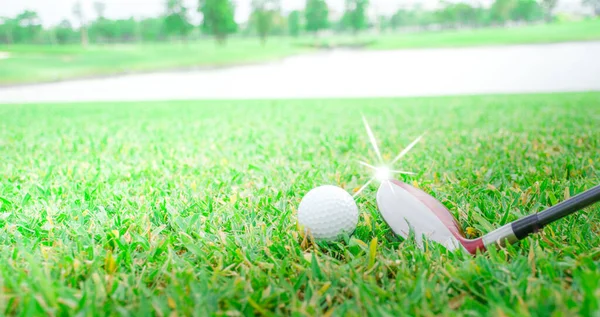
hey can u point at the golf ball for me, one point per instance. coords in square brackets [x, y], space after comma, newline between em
[328, 212]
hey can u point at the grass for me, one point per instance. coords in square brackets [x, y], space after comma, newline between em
[50, 63]
[188, 208]
[30, 64]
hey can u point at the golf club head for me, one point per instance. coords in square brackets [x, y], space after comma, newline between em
[406, 208]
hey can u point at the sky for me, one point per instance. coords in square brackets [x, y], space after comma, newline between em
[52, 12]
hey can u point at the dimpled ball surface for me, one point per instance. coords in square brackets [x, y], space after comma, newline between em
[328, 212]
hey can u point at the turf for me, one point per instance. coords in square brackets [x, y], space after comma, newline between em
[28, 63]
[188, 208]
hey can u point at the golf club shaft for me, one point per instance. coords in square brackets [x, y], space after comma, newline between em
[532, 223]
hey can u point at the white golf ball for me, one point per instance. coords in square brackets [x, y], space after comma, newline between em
[328, 212]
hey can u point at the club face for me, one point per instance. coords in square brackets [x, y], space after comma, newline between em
[405, 208]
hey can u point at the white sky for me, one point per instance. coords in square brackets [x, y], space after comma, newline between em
[53, 11]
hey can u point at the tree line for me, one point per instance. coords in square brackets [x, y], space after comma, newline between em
[267, 19]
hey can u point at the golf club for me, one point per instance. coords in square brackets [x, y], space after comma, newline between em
[405, 208]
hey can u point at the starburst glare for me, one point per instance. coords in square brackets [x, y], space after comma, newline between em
[382, 172]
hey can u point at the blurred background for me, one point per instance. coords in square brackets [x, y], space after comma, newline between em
[201, 48]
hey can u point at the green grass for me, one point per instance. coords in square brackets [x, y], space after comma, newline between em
[30, 64]
[189, 207]
[50, 63]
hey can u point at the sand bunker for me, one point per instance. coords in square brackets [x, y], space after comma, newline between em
[4, 55]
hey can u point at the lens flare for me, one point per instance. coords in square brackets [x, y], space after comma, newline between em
[382, 173]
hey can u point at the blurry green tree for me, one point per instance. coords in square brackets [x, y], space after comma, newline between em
[7, 28]
[264, 14]
[176, 19]
[125, 30]
[460, 15]
[501, 10]
[383, 23]
[294, 24]
[355, 16]
[338, 26]
[395, 21]
[549, 6]
[218, 18]
[465, 15]
[64, 32]
[527, 11]
[101, 27]
[317, 15]
[78, 12]
[402, 18]
[425, 18]
[266, 20]
[29, 27]
[152, 29]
